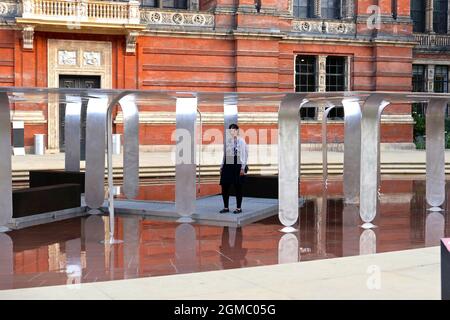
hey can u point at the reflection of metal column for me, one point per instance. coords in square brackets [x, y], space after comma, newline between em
[435, 150]
[95, 151]
[5, 163]
[72, 133]
[288, 249]
[185, 171]
[352, 150]
[370, 160]
[186, 248]
[434, 228]
[6, 261]
[200, 151]
[325, 144]
[230, 116]
[131, 253]
[350, 230]
[288, 159]
[367, 242]
[94, 231]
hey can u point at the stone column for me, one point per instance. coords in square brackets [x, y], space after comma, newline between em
[429, 16]
[321, 75]
[348, 73]
[430, 78]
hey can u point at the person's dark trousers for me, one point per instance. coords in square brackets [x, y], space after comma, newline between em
[226, 194]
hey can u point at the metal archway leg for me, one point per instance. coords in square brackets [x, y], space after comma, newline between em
[370, 160]
[95, 151]
[5, 163]
[72, 133]
[288, 160]
[435, 153]
[131, 146]
[325, 144]
[185, 164]
[352, 150]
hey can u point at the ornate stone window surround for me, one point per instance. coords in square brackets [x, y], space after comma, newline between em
[75, 57]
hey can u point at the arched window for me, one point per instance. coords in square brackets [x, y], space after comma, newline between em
[418, 15]
[331, 9]
[303, 8]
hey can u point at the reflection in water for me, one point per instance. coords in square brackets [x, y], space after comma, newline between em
[186, 249]
[70, 251]
[73, 261]
[435, 227]
[288, 249]
[232, 253]
[6, 262]
[368, 242]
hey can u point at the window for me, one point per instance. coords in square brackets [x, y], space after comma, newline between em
[441, 79]
[394, 8]
[337, 113]
[149, 3]
[418, 78]
[173, 4]
[418, 15]
[331, 9]
[335, 79]
[419, 84]
[305, 81]
[440, 16]
[303, 8]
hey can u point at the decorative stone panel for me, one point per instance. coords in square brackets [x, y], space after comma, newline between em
[176, 18]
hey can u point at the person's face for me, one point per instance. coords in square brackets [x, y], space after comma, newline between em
[234, 132]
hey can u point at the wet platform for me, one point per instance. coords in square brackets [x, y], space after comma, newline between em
[207, 210]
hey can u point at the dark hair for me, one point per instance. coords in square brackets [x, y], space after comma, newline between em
[233, 126]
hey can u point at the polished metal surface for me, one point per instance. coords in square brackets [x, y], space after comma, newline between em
[230, 116]
[370, 150]
[95, 151]
[435, 152]
[200, 150]
[131, 146]
[325, 143]
[5, 161]
[6, 261]
[288, 249]
[72, 133]
[352, 149]
[289, 158]
[185, 163]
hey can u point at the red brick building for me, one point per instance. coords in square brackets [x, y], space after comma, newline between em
[225, 45]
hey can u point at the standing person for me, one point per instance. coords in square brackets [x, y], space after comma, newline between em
[233, 168]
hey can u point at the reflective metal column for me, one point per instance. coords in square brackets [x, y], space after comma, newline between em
[185, 163]
[5, 163]
[370, 160]
[72, 133]
[352, 149]
[95, 151]
[289, 159]
[435, 150]
[325, 143]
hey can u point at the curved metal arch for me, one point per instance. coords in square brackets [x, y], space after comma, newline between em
[5, 163]
[352, 147]
[289, 158]
[372, 108]
[435, 152]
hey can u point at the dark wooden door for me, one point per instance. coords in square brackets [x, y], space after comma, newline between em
[80, 82]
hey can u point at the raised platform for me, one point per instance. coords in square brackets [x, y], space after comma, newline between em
[254, 209]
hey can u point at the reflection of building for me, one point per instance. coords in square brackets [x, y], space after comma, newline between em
[218, 45]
